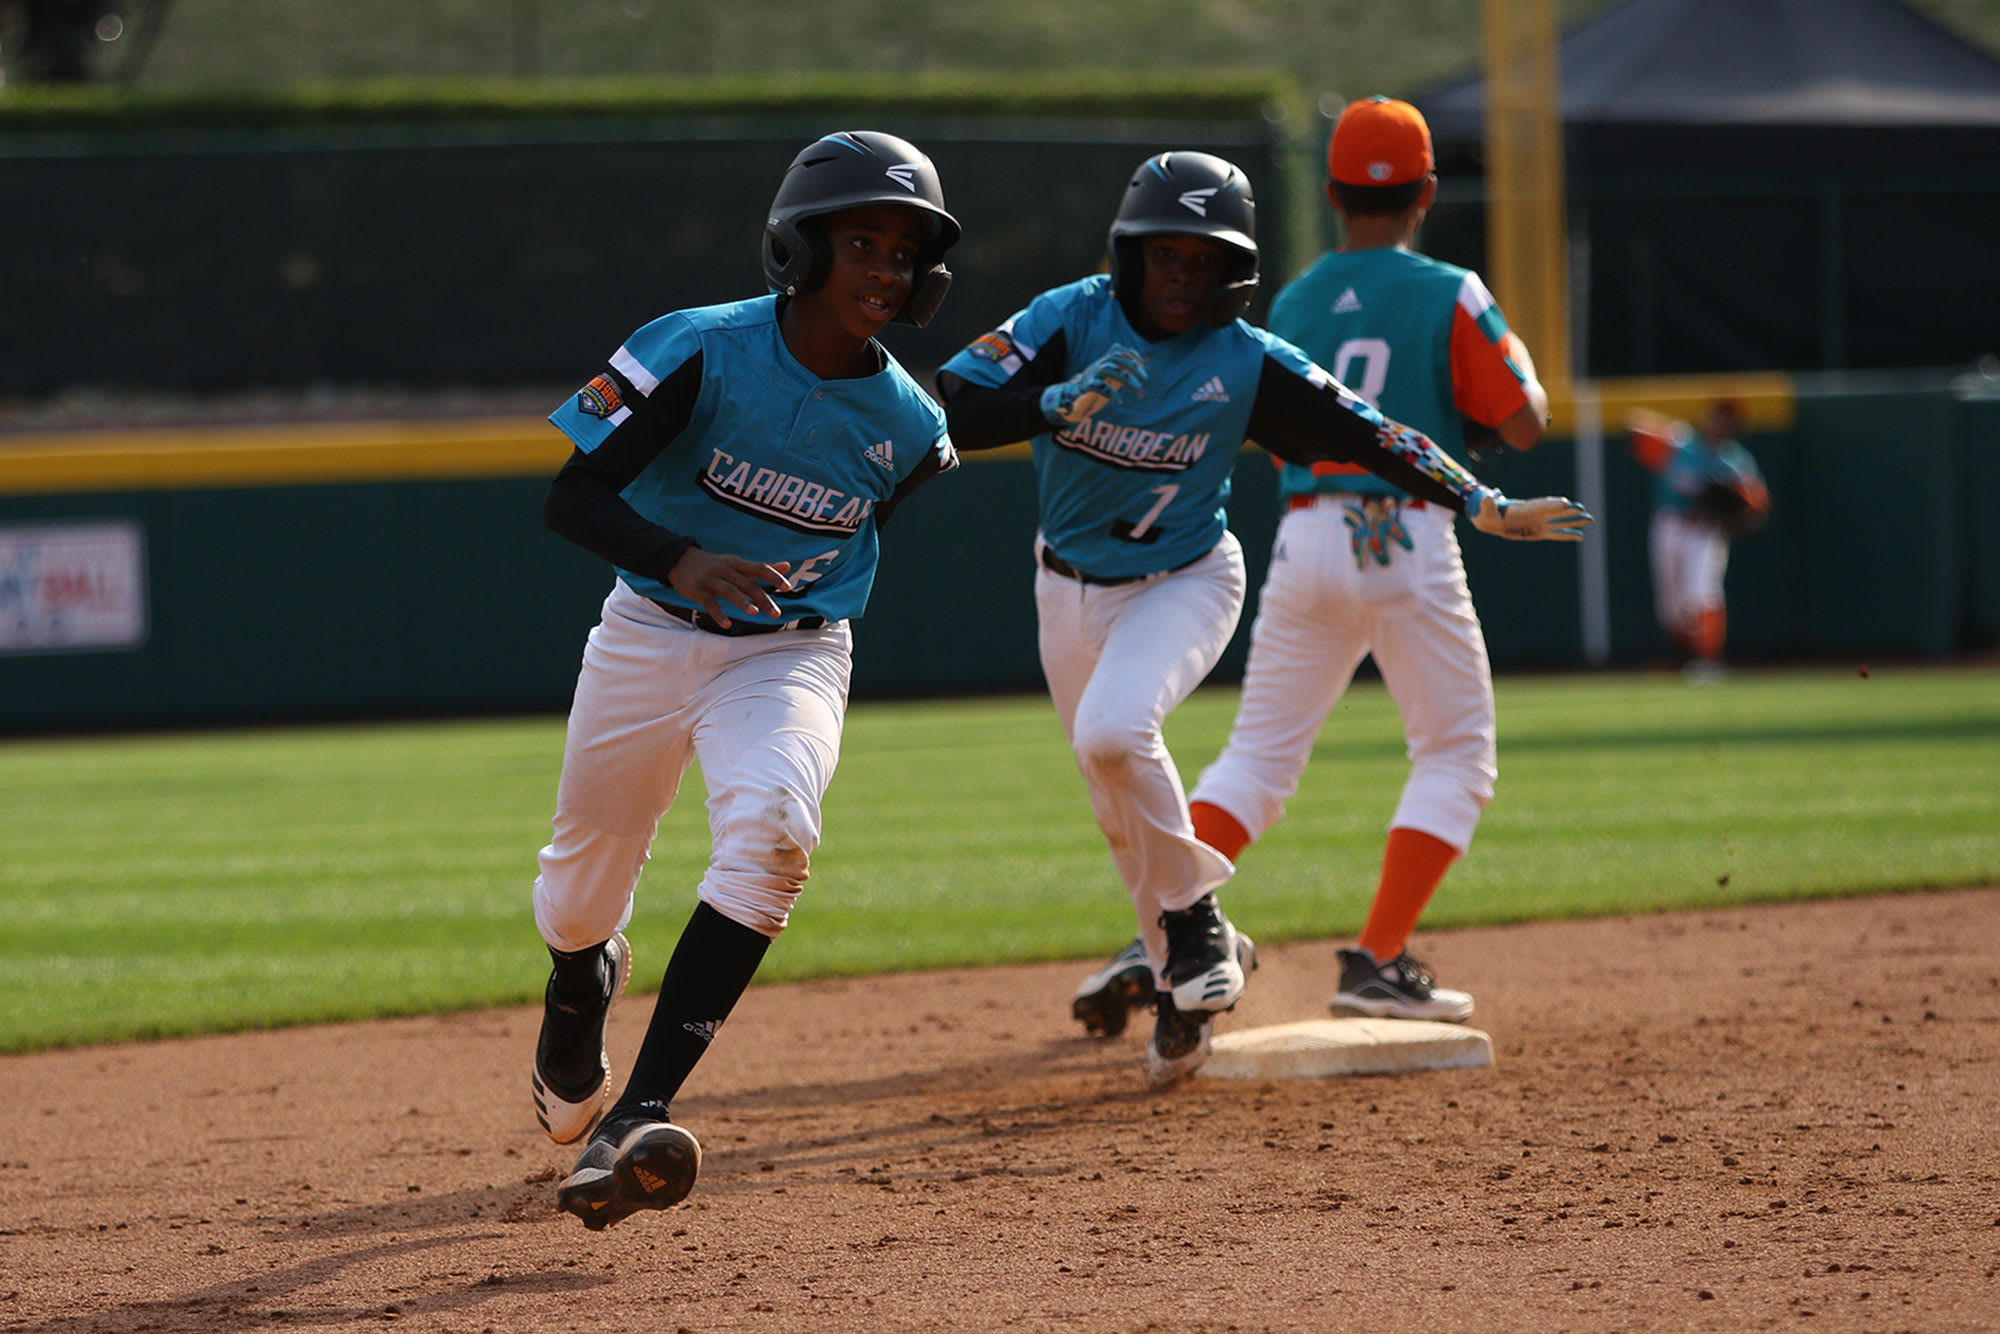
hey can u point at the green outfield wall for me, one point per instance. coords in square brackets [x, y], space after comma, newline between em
[255, 574]
[1978, 487]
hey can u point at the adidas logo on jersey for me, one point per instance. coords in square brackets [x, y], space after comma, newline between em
[1211, 392]
[882, 454]
[1347, 304]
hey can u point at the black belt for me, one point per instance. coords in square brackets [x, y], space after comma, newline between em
[701, 620]
[1055, 564]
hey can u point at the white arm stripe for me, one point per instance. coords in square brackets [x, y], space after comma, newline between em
[1473, 296]
[628, 366]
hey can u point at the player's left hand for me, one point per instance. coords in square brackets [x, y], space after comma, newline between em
[1543, 519]
[708, 580]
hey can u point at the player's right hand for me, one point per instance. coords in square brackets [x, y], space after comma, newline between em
[1543, 519]
[1119, 372]
[708, 580]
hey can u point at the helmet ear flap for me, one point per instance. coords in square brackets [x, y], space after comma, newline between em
[796, 256]
[926, 295]
[1128, 267]
[1232, 296]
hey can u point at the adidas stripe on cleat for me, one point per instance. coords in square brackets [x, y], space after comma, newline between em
[567, 1112]
[1207, 957]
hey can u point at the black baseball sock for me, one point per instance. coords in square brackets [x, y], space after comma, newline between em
[579, 979]
[569, 1052]
[711, 968]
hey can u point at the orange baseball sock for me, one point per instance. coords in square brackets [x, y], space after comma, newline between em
[1218, 828]
[1708, 634]
[1413, 864]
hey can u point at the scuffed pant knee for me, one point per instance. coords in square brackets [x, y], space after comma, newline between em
[762, 857]
[1106, 753]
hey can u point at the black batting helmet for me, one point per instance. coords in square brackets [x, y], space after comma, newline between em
[1195, 194]
[848, 169]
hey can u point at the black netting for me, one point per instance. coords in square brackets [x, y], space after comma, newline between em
[219, 262]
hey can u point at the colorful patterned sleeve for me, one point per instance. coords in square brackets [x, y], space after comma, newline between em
[1416, 449]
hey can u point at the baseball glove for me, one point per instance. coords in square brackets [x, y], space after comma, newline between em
[1482, 442]
[1732, 510]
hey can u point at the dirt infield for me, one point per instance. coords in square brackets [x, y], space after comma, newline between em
[1773, 1117]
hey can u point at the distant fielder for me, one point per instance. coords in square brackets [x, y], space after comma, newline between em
[1707, 491]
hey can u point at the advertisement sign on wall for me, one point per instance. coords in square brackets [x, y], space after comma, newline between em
[72, 587]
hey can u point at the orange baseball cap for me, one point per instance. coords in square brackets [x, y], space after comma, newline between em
[1380, 141]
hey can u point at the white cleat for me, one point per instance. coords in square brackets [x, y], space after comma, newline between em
[568, 1115]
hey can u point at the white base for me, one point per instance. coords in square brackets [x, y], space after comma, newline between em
[1321, 1048]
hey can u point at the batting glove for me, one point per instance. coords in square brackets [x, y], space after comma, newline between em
[1543, 519]
[1105, 381]
[1372, 526]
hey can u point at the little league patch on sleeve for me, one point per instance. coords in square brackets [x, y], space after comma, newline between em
[599, 398]
[992, 346]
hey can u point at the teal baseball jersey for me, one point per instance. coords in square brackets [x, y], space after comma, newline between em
[1418, 338]
[756, 456]
[1144, 487]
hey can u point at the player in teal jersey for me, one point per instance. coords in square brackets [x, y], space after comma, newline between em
[733, 463]
[1707, 491]
[1138, 388]
[1362, 566]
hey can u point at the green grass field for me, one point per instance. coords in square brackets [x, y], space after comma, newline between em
[171, 884]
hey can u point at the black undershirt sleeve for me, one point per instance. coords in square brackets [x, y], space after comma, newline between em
[583, 502]
[1306, 423]
[989, 416]
[932, 465]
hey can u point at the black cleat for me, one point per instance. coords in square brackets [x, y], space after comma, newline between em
[1179, 1044]
[1207, 958]
[1104, 1000]
[637, 1159]
[1399, 989]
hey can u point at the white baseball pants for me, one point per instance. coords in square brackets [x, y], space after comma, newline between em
[1689, 561]
[1118, 659]
[763, 714]
[1319, 614]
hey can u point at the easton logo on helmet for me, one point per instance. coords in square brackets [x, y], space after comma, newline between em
[1196, 201]
[904, 174]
